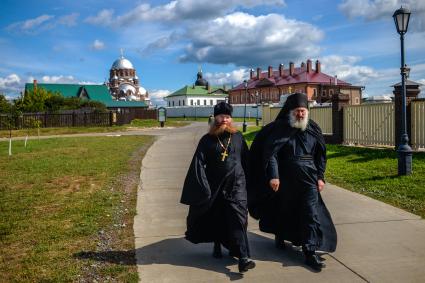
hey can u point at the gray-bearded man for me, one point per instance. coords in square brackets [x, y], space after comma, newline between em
[287, 166]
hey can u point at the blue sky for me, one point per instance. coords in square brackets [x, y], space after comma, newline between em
[167, 41]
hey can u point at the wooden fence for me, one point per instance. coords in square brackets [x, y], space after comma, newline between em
[369, 124]
[418, 124]
[49, 120]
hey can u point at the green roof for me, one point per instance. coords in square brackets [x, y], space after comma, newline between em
[94, 92]
[199, 91]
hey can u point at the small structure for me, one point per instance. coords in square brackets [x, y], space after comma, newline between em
[378, 99]
[201, 93]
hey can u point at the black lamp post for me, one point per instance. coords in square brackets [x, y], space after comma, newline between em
[256, 102]
[404, 151]
[244, 111]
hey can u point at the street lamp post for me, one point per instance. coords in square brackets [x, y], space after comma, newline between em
[256, 102]
[404, 151]
[244, 125]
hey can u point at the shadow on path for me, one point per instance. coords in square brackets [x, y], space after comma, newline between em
[180, 252]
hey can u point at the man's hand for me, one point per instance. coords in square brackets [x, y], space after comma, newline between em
[320, 185]
[274, 184]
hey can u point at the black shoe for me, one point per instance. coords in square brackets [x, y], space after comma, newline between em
[279, 243]
[217, 251]
[314, 262]
[245, 264]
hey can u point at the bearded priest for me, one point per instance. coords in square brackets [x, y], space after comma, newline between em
[215, 190]
[287, 167]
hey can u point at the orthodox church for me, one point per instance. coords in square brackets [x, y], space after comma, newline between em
[123, 82]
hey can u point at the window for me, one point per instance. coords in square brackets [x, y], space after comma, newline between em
[331, 91]
[211, 102]
[173, 103]
[357, 100]
[323, 92]
[314, 92]
[205, 102]
[179, 103]
[191, 102]
[169, 103]
[198, 102]
[183, 102]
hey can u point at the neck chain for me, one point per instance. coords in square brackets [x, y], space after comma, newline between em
[224, 154]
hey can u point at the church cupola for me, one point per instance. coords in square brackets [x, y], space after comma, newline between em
[199, 80]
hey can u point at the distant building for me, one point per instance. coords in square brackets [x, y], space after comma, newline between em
[269, 86]
[92, 92]
[122, 91]
[124, 83]
[201, 93]
[378, 99]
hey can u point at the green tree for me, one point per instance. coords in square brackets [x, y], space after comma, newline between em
[5, 105]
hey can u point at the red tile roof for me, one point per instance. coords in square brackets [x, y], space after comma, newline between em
[300, 76]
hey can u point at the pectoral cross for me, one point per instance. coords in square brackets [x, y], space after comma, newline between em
[224, 155]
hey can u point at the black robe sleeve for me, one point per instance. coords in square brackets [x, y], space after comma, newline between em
[272, 168]
[196, 189]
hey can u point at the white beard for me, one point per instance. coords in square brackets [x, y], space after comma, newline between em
[299, 124]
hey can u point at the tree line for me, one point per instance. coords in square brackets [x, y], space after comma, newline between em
[41, 100]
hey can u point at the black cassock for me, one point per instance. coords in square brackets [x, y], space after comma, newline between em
[216, 193]
[296, 212]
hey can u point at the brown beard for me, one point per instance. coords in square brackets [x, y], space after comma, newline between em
[216, 130]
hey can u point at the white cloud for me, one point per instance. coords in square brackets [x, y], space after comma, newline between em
[69, 20]
[104, 17]
[247, 40]
[346, 69]
[42, 23]
[379, 9]
[58, 79]
[178, 10]
[97, 45]
[157, 96]
[232, 78]
[10, 84]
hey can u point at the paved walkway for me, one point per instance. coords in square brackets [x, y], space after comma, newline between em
[377, 242]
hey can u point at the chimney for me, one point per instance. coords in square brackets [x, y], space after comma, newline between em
[270, 71]
[35, 85]
[258, 73]
[318, 66]
[281, 68]
[308, 66]
[291, 68]
[302, 65]
[251, 74]
[336, 79]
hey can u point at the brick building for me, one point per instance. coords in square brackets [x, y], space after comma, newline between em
[270, 85]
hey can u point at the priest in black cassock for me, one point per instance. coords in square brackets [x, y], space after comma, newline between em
[287, 166]
[215, 189]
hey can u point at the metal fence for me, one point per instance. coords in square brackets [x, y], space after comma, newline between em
[369, 124]
[418, 124]
[323, 117]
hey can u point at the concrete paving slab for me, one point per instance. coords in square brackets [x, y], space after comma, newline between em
[377, 242]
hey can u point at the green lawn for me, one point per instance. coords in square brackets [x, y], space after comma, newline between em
[134, 125]
[64, 203]
[373, 172]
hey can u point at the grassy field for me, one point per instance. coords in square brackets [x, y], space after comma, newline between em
[373, 172]
[134, 125]
[67, 209]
